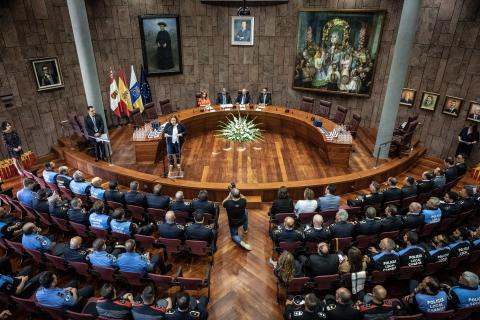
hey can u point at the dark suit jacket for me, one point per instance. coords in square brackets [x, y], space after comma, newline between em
[114, 195]
[391, 194]
[424, 186]
[321, 265]
[247, 99]
[220, 98]
[268, 100]
[409, 191]
[451, 174]
[90, 127]
[135, 198]
[158, 201]
[282, 206]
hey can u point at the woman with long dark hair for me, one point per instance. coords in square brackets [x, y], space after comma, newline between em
[13, 144]
[467, 138]
[174, 133]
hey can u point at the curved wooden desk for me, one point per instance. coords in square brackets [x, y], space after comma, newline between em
[273, 119]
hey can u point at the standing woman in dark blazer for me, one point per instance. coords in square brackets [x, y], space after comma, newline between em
[467, 138]
[13, 144]
[174, 134]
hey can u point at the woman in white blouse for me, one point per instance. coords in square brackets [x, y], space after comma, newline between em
[174, 134]
[307, 205]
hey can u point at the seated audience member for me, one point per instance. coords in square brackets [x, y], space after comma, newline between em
[341, 228]
[40, 201]
[131, 261]
[438, 251]
[449, 206]
[459, 244]
[33, 240]
[111, 306]
[179, 204]
[135, 197]
[96, 190]
[329, 201]
[121, 224]
[49, 174]
[307, 310]
[309, 204]
[474, 234]
[265, 97]
[323, 263]
[75, 252]
[409, 187]
[377, 308]
[387, 259]
[370, 225]
[412, 255]
[467, 292]
[63, 179]
[427, 297]
[169, 229]
[78, 185]
[223, 97]
[100, 257]
[355, 261]
[10, 226]
[341, 306]
[186, 307]
[432, 212]
[460, 165]
[375, 197]
[283, 203]
[391, 221]
[286, 268]
[157, 200]
[202, 204]
[20, 284]
[57, 207]
[147, 309]
[243, 97]
[439, 178]
[112, 194]
[451, 172]
[414, 218]
[466, 200]
[287, 232]
[26, 195]
[317, 233]
[426, 184]
[98, 218]
[392, 192]
[199, 231]
[60, 298]
[76, 213]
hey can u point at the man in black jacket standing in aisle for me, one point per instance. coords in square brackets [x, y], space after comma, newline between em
[95, 128]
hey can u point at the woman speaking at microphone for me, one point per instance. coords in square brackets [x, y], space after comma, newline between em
[174, 134]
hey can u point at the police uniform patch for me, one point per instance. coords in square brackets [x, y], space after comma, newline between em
[331, 307]
[297, 313]
[179, 226]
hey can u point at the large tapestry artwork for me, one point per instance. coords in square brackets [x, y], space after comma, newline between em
[337, 51]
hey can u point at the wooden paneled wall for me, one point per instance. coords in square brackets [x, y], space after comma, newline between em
[445, 59]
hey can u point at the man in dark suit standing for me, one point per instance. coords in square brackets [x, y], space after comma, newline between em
[224, 97]
[265, 97]
[244, 97]
[95, 128]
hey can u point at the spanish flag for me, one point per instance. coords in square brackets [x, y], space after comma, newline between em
[125, 99]
[135, 91]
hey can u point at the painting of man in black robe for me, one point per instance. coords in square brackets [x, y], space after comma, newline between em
[164, 48]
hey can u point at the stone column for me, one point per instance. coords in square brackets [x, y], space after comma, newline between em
[397, 75]
[86, 57]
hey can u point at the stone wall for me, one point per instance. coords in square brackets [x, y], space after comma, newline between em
[445, 59]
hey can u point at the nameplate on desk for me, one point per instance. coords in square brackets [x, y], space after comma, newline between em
[243, 107]
[226, 107]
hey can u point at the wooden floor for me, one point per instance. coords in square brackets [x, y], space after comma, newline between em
[208, 158]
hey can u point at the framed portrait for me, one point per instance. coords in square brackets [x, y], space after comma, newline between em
[242, 28]
[336, 51]
[452, 105]
[161, 44]
[47, 73]
[429, 101]
[408, 97]
[474, 111]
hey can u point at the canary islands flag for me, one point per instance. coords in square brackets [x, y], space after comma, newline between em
[135, 92]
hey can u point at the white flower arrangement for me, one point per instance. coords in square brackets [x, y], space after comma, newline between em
[239, 129]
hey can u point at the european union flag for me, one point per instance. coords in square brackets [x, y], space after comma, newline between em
[145, 88]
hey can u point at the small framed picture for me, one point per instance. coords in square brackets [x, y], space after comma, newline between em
[47, 73]
[408, 97]
[242, 31]
[429, 101]
[452, 106]
[474, 111]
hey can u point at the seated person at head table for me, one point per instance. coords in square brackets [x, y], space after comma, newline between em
[243, 97]
[223, 97]
[203, 100]
[265, 97]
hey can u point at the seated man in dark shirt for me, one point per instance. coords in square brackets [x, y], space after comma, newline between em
[169, 229]
[373, 198]
[112, 194]
[466, 200]
[199, 231]
[370, 225]
[392, 192]
[414, 217]
[458, 243]
[391, 221]
[75, 251]
[20, 284]
[287, 232]
[76, 213]
[387, 259]
[449, 206]
[451, 172]
[40, 201]
[58, 208]
[377, 307]
[311, 309]
[341, 228]
[135, 197]
[426, 184]
[202, 204]
[111, 306]
[179, 204]
[10, 226]
[317, 233]
[412, 255]
[341, 307]
[438, 251]
[409, 188]
[157, 200]
[461, 166]
[147, 308]
[323, 263]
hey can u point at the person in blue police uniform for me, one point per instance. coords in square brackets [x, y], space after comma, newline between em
[188, 308]
[412, 255]
[147, 309]
[111, 306]
[459, 244]
[121, 224]
[438, 251]
[78, 185]
[49, 174]
[199, 231]
[131, 261]
[427, 297]
[63, 179]
[112, 194]
[169, 229]
[387, 259]
[26, 194]
[309, 308]
[179, 204]
[157, 200]
[467, 293]
[98, 218]
[31, 239]
[135, 197]
[202, 203]
[21, 284]
[431, 211]
[96, 190]
[60, 298]
[100, 257]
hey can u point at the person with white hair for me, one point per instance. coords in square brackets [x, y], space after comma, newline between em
[78, 185]
[179, 204]
[467, 293]
[317, 233]
[341, 228]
